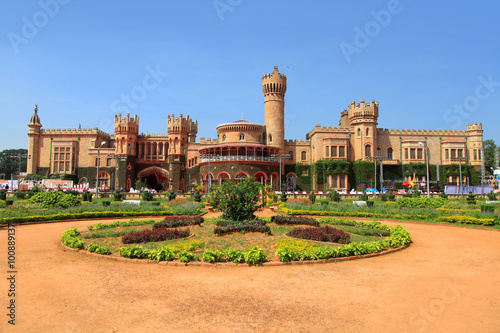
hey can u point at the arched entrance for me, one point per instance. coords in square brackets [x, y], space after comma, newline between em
[261, 177]
[155, 178]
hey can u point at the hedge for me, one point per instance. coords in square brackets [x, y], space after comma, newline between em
[467, 220]
[289, 211]
[75, 216]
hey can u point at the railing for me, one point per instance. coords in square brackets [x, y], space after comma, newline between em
[240, 158]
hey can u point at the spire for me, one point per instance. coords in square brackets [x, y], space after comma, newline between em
[35, 119]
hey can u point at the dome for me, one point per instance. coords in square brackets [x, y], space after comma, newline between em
[35, 119]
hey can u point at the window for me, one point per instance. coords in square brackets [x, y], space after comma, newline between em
[453, 153]
[406, 153]
[341, 151]
[419, 153]
[475, 154]
[334, 151]
[304, 156]
[480, 154]
[108, 162]
[446, 154]
[291, 154]
[367, 132]
[359, 131]
[224, 137]
[412, 153]
[342, 181]
[259, 138]
[460, 152]
[327, 151]
[389, 153]
[379, 152]
[334, 181]
[368, 150]
[64, 162]
[270, 138]
[242, 137]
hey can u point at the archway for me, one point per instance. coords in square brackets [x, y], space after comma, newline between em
[261, 177]
[222, 177]
[155, 178]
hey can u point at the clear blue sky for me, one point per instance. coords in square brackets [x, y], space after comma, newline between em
[430, 65]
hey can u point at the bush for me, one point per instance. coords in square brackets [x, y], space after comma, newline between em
[487, 208]
[155, 235]
[227, 227]
[87, 196]
[420, 202]
[213, 256]
[284, 197]
[363, 197]
[471, 198]
[467, 220]
[233, 255]
[117, 196]
[3, 195]
[255, 255]
[71, 238]
[162, 253]
[491, 196]
[238, 202]
[100, 249]
[147, 196]
[55, 199]
[134, 251]
[176, 202]
[322, 234]
[106, 203]
[369, 203]
[197, 196]
[20, 195]
[300, 201]
[391, 196]
[9, 202]
[280, 219]
[185, 256]
[179, 221]
[335, 196]
[312, 197]
[443, 195]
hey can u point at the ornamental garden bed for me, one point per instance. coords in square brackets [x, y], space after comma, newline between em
[238, 246]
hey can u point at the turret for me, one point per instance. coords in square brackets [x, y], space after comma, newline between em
[363, 124]
[34, 143]
[180, 130]
[475, 143]
[126, 131]
[274, 89]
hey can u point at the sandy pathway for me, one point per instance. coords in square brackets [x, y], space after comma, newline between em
[447, 281]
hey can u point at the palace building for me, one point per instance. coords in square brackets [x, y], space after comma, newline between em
[330, 157]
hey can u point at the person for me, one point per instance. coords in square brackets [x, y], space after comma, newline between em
[121, 189]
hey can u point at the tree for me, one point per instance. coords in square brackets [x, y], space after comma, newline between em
[9, 161]
[489, 155]
[238, 201]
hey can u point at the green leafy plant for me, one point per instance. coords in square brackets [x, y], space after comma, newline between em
[255, 255]
[186, 256]
[491, 196]
[233, 255]
[213, 256]
[54, 199]
[238, 202]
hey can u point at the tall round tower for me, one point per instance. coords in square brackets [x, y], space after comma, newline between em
[274, 88]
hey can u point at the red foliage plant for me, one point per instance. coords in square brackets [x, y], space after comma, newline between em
[176, 202]
[322, 234]
[300, 201]
[155, 235]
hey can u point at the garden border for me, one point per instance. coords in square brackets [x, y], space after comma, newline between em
[226, 264]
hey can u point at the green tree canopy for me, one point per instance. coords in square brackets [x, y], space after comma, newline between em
[9, 161]
[489, 155]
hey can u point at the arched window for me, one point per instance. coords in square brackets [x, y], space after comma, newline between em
[242, 137]
[367, 132]
[291, 154]
[259, 138]
[359, 131]
[368, 151]
[97, 161]
[379, 151]
[270, 138]
[224, 137]
[389, 153]
[304, 156]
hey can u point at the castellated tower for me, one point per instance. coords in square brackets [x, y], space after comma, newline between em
[475, 144]
[274, 88]
[363, 126]
[34, 143]
[126, 131]
[181, 131]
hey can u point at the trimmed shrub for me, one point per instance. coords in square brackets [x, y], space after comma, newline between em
[20, 195]
[255, 255]
[147, 196]
[117, 196]
[369, 203]
[238, 202]
[179, 221]
[280, 219]
[491, 196]
[487, 208]
[233, 255]
[3, 195]
[312, 197]
[467, 220]
[197, 196]
[155, 235]
[213, 256]
[106, 203]
[227, 227]
[420, 202]
[322, 234]
[54, 199]
[335, 196]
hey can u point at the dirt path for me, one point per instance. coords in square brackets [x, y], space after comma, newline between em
[447, 281]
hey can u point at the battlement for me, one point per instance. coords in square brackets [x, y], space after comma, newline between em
[362, 109]
[276, 75]
[298, 142]
[126, 120]
[429, 132]
[330, 129]
[69, 131]
[475, 127]
[208, 141]
[181, 124]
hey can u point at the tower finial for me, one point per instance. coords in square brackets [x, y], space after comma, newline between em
[242, 116]
[36, 108]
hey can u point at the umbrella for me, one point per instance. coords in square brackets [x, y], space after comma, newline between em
[405, 183]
